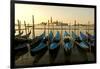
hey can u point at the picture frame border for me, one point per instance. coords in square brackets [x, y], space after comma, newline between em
[12, 25]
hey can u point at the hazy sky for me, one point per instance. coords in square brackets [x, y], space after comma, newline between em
[43, 13]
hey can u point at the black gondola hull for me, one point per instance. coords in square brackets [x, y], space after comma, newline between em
[53, 51]
[37, 52]
[20, 51]
[83, 50]
[67, 52]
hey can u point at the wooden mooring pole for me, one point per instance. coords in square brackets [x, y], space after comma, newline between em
[69, 28]
[61, 30]
[75, 25]
[48, 34]
[88, 32]
[61, 35]
[48, 28]
[28, 28]
[45, 29]
[19, 26]
[78, 29]
[88, 26]
[25, 27]
[52, 24]
[33, 27]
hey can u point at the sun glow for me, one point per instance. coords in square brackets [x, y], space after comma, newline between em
[43, 13]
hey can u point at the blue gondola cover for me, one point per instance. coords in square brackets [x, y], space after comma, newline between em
[68, 45]
[51, 36]
[57, 36]
[83, 36]
[53, 46]
[83, 45]
[39, 47]
[74, 36]
[65, 34]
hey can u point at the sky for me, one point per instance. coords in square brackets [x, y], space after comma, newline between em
[43, 13]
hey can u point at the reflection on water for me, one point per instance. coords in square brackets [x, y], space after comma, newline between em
[40, 29]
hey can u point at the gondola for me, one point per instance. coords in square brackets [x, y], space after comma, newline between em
[50, 37]
[22, 39]
[18, 35]
[57, 37]
[87, 38]
[26, 36]
[75, 37]
[89, 41]
[36, 41]
[55, 44]
[67, 43]
[65, 34]
[83, 37]
[18, 41]
[21, 44]
[40, 48]
[20, 50]
[91, 37]
[81, 45]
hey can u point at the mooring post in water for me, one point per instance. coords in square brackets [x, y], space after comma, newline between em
[75, 25]
[48, 32]
[48, 27]
[25, 27]
[33, 27]
[70, 30]
[19, 28]
[28, 28]
[61, 29]
[69, 27]
[78, 29]
[88, 32]
[87, 28]
[53, 27]
[61, 35]
[88, 25]
[45, 28]
[51, 24]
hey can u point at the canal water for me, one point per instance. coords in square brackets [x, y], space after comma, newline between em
[40, 29]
